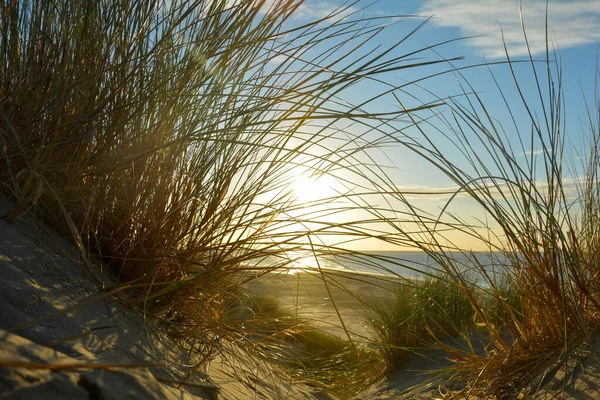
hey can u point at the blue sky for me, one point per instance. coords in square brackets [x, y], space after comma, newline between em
[573, 23]
[574, 30]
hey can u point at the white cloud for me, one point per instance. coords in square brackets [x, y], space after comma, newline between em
[278, 59]
[531, 153]
[312, 10]
[570, 23]
[570, 186]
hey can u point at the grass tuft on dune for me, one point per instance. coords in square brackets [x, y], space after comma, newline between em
[163, 137]
[539, 297]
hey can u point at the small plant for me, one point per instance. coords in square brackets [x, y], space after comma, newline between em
[307, 354]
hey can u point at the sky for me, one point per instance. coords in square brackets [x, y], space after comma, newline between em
[484, 28]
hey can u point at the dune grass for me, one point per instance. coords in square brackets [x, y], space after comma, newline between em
[416, 316]
[162, 137]
[307, 354]
[539, 219]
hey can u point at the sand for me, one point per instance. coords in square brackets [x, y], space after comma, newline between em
[48, 299]
[40, 275]
[305, 295]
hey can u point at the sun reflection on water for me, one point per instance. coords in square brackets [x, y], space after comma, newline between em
[301, 262]
[307, 262]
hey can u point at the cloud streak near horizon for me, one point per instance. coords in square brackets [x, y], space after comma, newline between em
[570, 23]
[496, 189]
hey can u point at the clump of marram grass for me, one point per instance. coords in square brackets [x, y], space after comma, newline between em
[418, 315]
[537, 213]
[162, 136]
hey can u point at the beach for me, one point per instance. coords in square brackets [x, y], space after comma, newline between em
[306, 295]
[299, 199]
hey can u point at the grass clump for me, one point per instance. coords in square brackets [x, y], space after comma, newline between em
[328, 362]
[162, 137]
[537, 218]
[418, 315]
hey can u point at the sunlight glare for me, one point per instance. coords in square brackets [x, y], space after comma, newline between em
[307, 189]
[300, 263]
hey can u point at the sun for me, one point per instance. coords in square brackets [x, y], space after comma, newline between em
[309, 189]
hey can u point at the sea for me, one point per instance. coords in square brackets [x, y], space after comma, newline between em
[409, 264]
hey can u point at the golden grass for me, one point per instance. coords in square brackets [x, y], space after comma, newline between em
[540, 210]
[162, 137]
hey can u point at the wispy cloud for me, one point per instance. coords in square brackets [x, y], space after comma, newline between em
[570, 23]
[531, 153]
[499, 190]
[311, 10]
[278, 59]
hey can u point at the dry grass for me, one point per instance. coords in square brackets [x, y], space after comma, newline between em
[540, 221]
[164, 143]
[162, 138]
